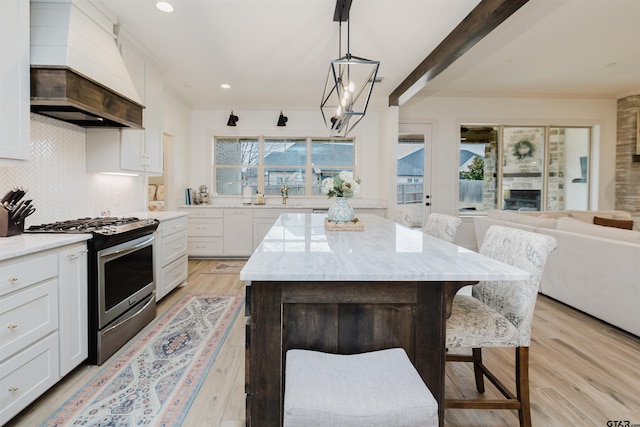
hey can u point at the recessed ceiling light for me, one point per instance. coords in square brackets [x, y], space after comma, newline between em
[164, 6]
[225, 86]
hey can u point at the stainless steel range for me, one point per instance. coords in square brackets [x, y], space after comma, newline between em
[121, 278]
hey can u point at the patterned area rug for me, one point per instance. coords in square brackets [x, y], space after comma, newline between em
[225, 268]
[153, 380]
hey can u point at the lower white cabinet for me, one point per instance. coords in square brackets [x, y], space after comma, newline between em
[43, 319]
[205, 232]
[27, 375]
[262, 223]
[73, 307]
[171, 268]
[238, 232]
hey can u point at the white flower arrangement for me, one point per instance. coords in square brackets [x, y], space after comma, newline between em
[343, 185]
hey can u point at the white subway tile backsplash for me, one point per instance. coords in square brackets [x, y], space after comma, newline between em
[58, 183]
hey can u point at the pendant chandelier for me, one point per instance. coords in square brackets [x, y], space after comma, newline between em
[349, 83]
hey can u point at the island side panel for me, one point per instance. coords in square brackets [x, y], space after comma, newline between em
[265, 388]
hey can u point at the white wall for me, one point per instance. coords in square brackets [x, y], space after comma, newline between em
[447, 113]
[58, 183]
[177, 131]
[205, 124]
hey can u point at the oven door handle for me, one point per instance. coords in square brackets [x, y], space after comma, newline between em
[133, 316]
[107, 255]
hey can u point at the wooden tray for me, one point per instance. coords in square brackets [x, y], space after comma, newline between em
[355, 225]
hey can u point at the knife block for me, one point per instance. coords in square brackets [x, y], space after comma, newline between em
[8, 227]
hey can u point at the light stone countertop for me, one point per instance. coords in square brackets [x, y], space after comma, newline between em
[297, 247]
[159, 215]
[28, 243]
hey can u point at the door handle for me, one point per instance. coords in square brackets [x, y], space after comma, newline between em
[427, 204]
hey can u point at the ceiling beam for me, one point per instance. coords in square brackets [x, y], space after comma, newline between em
[484, 18]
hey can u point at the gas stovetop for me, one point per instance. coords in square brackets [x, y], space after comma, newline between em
[100, 225]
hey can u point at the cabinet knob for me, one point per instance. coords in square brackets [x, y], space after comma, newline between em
[12, 389]
[72, 256]
[12, 279]
[175, 248]
[12, 326]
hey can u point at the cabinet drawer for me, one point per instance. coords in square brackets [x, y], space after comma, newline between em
[204, 213]
[27, 316]
[173, 226]
[174, 274]
[206, 227]
[22, 272]
[173, 247]
[202, 246]
[27, 375]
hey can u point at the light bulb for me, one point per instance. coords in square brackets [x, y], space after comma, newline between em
[352, 87]
[339, 111]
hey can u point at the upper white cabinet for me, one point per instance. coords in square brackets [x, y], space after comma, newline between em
[142, 150]
[14, 80]
[132, 150]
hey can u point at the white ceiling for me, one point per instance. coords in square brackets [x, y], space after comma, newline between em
[275, 53]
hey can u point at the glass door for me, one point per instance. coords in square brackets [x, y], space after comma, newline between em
[413, 179]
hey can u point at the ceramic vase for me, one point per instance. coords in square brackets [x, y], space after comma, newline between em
[340, 211]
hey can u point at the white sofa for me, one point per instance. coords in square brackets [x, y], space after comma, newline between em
[594, 268]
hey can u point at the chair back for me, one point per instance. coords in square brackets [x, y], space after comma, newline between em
[515, 300]
[442, 226]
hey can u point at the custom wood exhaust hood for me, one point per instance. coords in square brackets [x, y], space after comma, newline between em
[77, 72]
[64, 94]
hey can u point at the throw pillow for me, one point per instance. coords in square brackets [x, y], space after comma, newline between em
[626, 224]
[576, 226]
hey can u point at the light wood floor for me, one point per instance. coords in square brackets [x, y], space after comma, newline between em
[583, 372]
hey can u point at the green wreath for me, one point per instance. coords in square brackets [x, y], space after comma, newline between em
[523, 149]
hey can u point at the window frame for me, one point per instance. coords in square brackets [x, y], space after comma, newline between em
[261, 167]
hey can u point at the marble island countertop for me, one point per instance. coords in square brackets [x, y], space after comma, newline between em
[297, 247]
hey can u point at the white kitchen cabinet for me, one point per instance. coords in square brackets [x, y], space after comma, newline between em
[263, 220]
[206, 231]
[14, 80]
[142, 149]
[73, 303]
[238, 232]
[29, 347]
[138, 151]
[171, 264]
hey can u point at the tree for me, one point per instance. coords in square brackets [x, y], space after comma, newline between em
[476, 170]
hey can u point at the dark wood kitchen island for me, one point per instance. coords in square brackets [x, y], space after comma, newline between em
[350, 292]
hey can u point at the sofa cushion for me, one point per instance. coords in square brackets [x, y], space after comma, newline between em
[626, 224]
[533, 221]
[587, 216]
[576, 226]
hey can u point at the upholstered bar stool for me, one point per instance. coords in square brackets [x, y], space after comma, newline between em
[442, 226]
[380, 388]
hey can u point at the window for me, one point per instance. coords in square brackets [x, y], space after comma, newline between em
[524, 168]
[265, 164]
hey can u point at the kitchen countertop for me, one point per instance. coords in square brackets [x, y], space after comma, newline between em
[28, 243]
[297, 247]
[159, 215]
